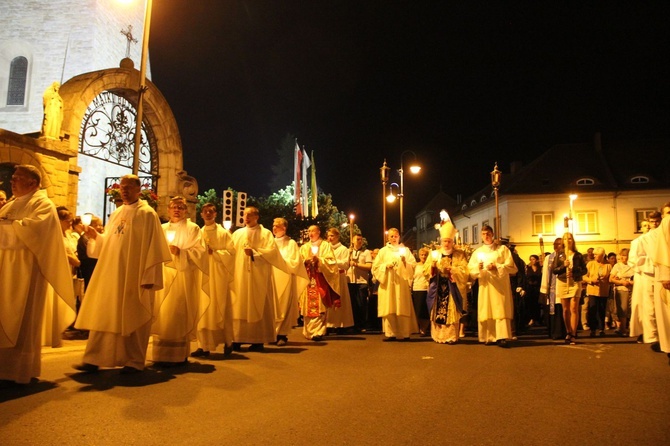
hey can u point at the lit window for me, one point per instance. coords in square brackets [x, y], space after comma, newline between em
[543, 223]
[587, 222]
[18, 74]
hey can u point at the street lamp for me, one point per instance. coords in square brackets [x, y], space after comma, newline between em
[495, 182]
[384, 174]
[414, 168]
[392, 196]
[143, 85]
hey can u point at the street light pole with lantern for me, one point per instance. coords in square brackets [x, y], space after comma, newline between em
[496, 175]
[414, 168]
[384, 175]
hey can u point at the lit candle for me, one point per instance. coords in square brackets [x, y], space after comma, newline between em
[170, 235]
[435, 255]
[315, 249]
[227, 225]
[402, 251]
[480, 257]
[86, 219]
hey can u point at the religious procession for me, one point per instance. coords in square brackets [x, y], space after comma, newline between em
[192, 290]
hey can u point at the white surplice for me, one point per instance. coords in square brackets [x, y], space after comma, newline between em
[344, 315]
[289, 285]
[32, 260]
[253, 294]
[495, 309]
[180, 304]
[215, 327]
[395, 294]
[118, 310]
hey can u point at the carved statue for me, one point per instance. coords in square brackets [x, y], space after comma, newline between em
[53, 112]
[189, 186]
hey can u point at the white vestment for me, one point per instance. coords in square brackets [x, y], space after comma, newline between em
[289, 285]
[495, 308]
[253, 294]
[180, 305]
[395, 293]
[342, 316]
[118, 310]
[643, 317]
[660, 255]
[314, 310]
[216, 324]
[32, 259]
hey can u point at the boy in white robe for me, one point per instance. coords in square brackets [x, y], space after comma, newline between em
[394, 270]
[179, 305]
[492, 264]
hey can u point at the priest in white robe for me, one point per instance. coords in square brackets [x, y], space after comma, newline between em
[254, 293]
[33, 259]
[323, 290]
[119, 303]
[179, 305]
[492, 265]
[215, 327]
[289, 285]
[393, 268]
[342, 316]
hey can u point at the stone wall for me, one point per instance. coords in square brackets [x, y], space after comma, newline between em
[53, 158]
[60, 39]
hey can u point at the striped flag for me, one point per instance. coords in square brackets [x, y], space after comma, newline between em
[305, 165]
[297, 166]
[315, 194]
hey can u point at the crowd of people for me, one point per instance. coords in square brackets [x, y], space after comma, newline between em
[177, 283]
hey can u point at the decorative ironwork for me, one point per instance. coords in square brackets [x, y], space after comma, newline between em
[108, 133]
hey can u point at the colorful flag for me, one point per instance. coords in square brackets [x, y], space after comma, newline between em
[297, 166]
[315, 194]
[305, 165]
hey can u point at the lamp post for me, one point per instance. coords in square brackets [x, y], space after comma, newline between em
[414, 168]
[142, 88]
[495, 183]
[384, 175]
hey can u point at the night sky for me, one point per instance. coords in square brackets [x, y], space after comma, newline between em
[462, 84]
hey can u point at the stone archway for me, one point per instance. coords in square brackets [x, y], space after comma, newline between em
[79, 92]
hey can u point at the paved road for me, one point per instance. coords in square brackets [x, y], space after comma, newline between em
[356, 390]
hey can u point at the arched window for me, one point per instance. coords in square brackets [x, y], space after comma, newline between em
[482, 199]
[473, 203]
[464, 207]
[640, 179]
[585, 182]
[18, 74]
